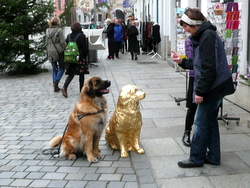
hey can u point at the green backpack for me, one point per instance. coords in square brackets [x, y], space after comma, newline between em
[71, 52]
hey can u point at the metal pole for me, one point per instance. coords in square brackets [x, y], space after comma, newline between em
[95, 13]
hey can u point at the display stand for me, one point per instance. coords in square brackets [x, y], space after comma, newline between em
[227, 20]
[225, 118]
[155, 54]
[178, 100]
[180, 49]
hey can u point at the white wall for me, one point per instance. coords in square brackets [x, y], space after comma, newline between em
[244, 34]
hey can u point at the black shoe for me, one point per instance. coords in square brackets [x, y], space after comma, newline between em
[117, 57]
[188, 164]
[186, 139]
[208, 162]
[136, 58]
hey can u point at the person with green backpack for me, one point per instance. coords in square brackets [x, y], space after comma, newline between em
[75, 65]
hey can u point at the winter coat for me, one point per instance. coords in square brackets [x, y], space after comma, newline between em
[118, 33]
[74, 68]
[133, 45]
[110, 31]
[55, 35]
[213, 78]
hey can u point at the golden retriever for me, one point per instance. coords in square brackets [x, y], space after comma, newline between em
[123, 131]
[86, 122]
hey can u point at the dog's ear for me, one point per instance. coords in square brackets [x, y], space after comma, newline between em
[89, 89]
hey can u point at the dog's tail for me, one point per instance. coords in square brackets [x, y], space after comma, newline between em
[55, 141]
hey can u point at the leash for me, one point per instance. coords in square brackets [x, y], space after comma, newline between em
[54, 152]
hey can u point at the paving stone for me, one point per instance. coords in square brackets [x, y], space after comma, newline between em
[6, 182]
[131, 185]
[33, 168]
[76, 184]
[131, 178]
[109, 170]
[110, 177]
[125, 170]
[77, 176]
[91, 177]
[40, 183]
[115, 184]
[121, 164]
[54, 176]
[59, 183]
[35, 175]
[88, 170]
[6, 174]
[48, 169]
[21, 183]
[68, 169]
[95, 184]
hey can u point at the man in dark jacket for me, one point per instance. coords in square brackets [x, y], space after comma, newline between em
[212, 82]
[110, 34]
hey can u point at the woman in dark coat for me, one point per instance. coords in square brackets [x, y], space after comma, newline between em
[80, 68]
[133, 45]
[110, 34]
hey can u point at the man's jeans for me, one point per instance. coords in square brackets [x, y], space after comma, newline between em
[206, 138]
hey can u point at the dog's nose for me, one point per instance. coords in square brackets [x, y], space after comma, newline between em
[108, 83]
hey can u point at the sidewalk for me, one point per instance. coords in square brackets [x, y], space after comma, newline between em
[31, 114]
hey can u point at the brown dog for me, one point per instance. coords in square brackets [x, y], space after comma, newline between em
[123, 131]
[86, 122]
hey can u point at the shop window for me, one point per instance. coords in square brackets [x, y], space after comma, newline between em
[59, 5]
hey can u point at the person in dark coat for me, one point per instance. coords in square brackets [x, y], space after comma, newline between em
[110, 34]
[212, 81]
[80, 68]
[132, 40]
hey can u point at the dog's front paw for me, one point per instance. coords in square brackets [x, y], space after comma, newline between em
[98, 156]
[92, 160]
[71, 157]
[124, 154]
[140, 151]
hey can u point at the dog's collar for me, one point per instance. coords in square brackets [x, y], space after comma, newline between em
[80, 116]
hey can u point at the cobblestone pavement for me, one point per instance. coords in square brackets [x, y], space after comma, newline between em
[31, 114]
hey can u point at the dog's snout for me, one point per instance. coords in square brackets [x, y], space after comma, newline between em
[108, 83]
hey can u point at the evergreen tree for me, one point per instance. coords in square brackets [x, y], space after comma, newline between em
[21, 51]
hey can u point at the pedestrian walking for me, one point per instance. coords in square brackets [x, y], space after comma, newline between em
[55, 45]
[80, 68]
[133, 43]
[118, 37]
[110, 34]
[212, 81]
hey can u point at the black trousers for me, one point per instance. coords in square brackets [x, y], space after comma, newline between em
[117, 47]
[70, 78]
[111, 47]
